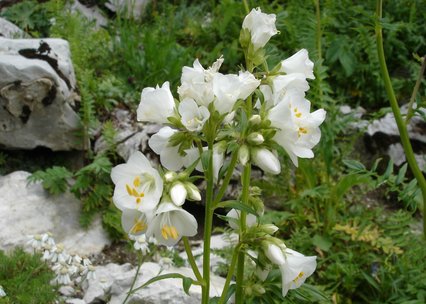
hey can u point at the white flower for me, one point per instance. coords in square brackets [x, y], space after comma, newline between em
[218, 159]
[197, 82]
[35, 241]
[58, 254]
[141, 244]
[156, 104]
[283, 83]
[193, 116]
[298, 129]
[298, 63]
[63, 273]
[235, 214]
[171, 223]
[137, 184]
[266, 160]
[169, 155]
[135, 222]
[47, 252]
[261, 27]
[91, 273]
[178, 194]
[230, 87]
[248, 83]
[2, 292]
[294, 266]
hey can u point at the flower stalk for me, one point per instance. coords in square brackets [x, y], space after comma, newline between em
[402, 127]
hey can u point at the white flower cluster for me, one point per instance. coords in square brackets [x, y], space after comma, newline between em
[249, 113]
[68, 268]
[2, 292]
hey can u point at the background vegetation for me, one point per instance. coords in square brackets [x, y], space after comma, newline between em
[358, 215]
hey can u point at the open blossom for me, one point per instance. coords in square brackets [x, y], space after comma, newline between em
[135, 222]
[230, 87]
[137, 184]
[298, 129]
[299, 63]
[169, 155]
[193, 116]
[156, 104]
[261, 27]
[295, 267]
[197, 82]
[171, 223]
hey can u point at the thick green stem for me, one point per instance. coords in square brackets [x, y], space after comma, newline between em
[230, 274]
[239, 294]
[191, 259]
[208, 221]
[405, 140]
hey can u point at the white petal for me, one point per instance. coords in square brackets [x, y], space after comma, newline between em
[178, 194]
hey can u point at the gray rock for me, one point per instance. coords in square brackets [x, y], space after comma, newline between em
[75, 301]
[37, 95]
[128, 8]
[67, 290]
[397, 155]
[27, 209]
[92, 13]
[113, 282]
[10, 30]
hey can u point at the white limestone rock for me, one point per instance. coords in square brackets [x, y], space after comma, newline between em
[27, 209]
[10, 30]
[37, 95]
[397, 155]
[92, 13]
[113, 282]
[128, 8]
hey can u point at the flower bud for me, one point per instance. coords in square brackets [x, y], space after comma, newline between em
[193, 192]
[269, 228]
[266, 161]
[243, 155]
[275, 254]
[178, 194]
[258, 289]
[255, 119]
[169, 176]
[255, 138]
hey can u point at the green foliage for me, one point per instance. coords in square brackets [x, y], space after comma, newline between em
[55, 179]
[26, 279]
[29, 16]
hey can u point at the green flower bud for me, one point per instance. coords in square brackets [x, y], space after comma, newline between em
[243, 155]
[255, 119]
[255, 138]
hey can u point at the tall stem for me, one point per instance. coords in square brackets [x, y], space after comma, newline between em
[405, 140]
[208, 220]
[243, 215]
[191, 259]
[140, 261]
[415, 90]
[230, 274]
[226, 180]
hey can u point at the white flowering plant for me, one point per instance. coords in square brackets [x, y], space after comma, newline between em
[220, 122]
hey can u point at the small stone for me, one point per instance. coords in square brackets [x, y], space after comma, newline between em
[67, 291]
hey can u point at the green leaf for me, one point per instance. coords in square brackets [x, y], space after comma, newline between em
[322, 242]
[348, 181]
[205, 159]
[401, 174]
[354, 165]
[186, 282]
[164, 277]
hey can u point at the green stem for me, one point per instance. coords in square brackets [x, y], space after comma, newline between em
[135, 278]
[415, 90]
[208, 221]
[246, 6]
[230, 274]
[227, 179]
[191, 259]
[405, 139]
[243, 215]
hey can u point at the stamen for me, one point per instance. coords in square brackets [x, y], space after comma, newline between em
[139, 226]
[129, 190]
[137, 181]
[173, 233]
[298, 114]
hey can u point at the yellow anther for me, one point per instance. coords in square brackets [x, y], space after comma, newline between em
[139, 226]
[173, 232]
[138, 200]
[164, 232]
[300, 275]
[295, 110]
[137, 181]
[298, 114]
[135, 193]
[129, 190]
